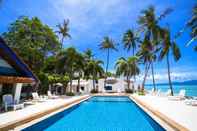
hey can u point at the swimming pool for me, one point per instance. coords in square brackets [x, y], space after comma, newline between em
[100, 113]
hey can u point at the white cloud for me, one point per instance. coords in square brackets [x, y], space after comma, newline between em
[177, 75]
[96, 18]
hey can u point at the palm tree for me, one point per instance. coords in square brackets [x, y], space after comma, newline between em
[145, 57]
[67, 61]
[127, 68]
[149, 23]
[192, 24]
[79, 68]
[94, 70]
[64, 31]
[167, 47]
[107, 44]
[129, 40]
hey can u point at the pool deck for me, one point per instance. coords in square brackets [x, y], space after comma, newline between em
[176, 113]
[12, 119]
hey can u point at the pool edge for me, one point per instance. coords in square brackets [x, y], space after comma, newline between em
[158, 115]
[163, 119]
[26, 120]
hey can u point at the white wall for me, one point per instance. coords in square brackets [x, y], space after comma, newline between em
[120, 85]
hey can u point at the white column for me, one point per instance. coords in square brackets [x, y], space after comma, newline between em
[17, 91]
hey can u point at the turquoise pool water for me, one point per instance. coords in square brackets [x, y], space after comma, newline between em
[100, 114]
[191, 90]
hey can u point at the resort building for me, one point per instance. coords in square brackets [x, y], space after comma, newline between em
[14, 73]
[112, 85]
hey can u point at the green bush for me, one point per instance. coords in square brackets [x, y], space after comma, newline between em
[70, 94]
[141, 93]
[94, 91]
[128, 90]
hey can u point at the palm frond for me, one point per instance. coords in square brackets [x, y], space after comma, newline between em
[176, 51]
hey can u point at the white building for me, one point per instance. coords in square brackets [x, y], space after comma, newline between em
[112, 85]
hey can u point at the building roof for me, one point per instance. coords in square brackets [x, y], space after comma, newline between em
[12, 68]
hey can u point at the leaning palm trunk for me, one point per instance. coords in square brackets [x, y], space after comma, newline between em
[70, 90]
[169, 78]
[62, 41]
[152, 69]
[106, 67]
[145, 75]
[78, 84]
[134, 68]
[93, 82]
[128, 82]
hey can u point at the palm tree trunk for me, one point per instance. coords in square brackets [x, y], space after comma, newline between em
[106, 67]
[62, 42]
[169, 78]
[70, 90]
[128, 82]
[145, 75]
[134, 63]
[152, 69]
[78, 84]
[93, 82]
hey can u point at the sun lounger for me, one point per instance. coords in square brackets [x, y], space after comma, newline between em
[51, 96]
[168, 93]
[191, 102]
[180, 96]
[158, 93]
[37, 98]
[8, 101]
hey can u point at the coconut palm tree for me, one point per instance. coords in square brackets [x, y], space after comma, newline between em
[63, 30]
[130, 40]
[127, 68]
[67, 61]
[107, 44]
[149, 24]
[168, 46]
[94, 70]
[79, 68]
[145, 57]
[193, 25]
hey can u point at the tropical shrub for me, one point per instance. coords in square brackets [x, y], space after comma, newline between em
[128, 90]
[70, 94]
[93, 91]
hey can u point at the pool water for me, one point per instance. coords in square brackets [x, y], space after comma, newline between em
[100, 114]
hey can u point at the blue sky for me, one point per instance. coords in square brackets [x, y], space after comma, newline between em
[91, 20]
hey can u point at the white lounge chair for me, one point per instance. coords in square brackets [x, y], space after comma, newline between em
[168, 93]
[37, 98]
[151, 92]
[51, 96]
[158, 93]
[180, 96]
[8, 101]
[191, 102]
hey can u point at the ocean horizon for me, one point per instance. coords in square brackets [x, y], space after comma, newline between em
[191, 90]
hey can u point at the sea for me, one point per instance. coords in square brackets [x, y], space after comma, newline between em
[191, 90]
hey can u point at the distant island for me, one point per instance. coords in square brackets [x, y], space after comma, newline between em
[190, 82]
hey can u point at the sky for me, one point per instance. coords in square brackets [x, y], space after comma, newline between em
[91, 20]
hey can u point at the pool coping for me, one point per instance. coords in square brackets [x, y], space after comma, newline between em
[161, 118]
[26, 120]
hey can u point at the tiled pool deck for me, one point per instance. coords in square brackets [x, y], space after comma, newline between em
[11, 119]
[175, 113]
